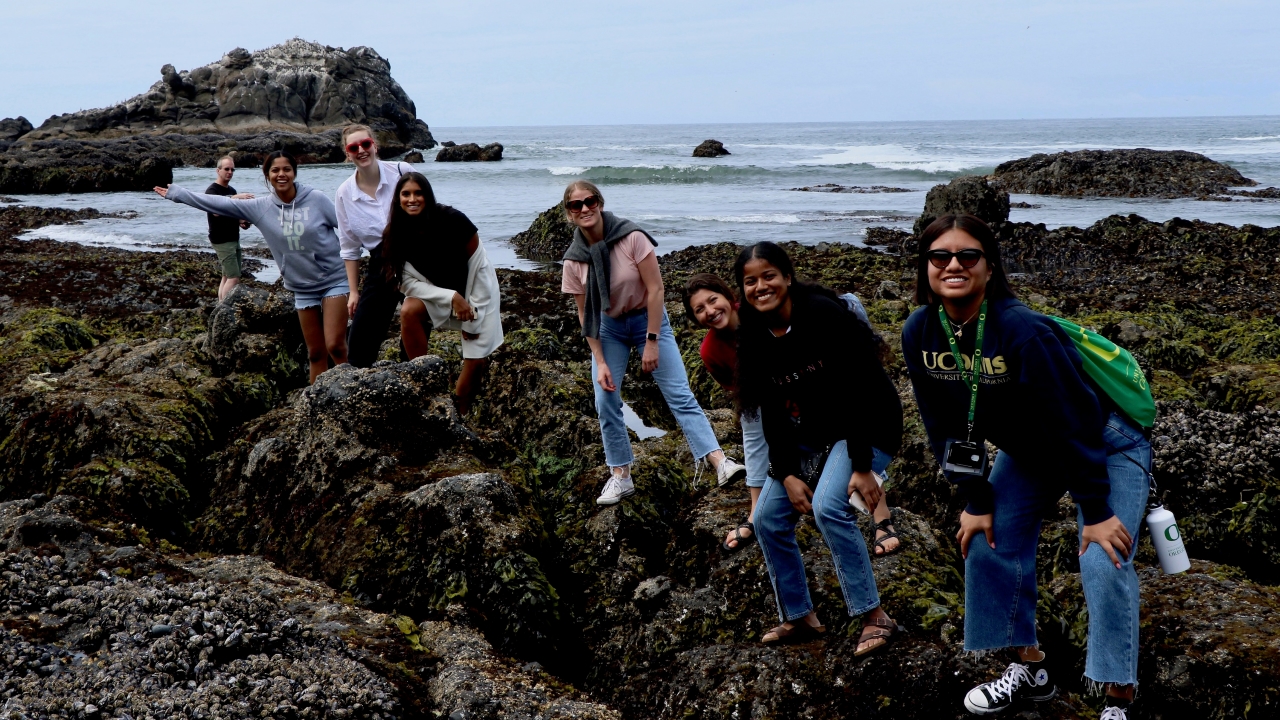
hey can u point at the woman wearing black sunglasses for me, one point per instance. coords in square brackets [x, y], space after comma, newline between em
[987, 368]
[363, 203]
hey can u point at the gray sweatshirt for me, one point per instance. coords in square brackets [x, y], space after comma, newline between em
[301, 234]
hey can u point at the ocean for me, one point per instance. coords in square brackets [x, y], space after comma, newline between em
[647, 174]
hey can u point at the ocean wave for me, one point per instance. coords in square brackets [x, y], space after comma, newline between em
[762, 218]
[97, 238]
[895, 157]
[1256, 137]
[567, 170]
[666, 173]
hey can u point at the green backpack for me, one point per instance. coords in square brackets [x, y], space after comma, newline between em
[1115, 371]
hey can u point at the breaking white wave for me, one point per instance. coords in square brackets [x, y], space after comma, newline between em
[567, 170]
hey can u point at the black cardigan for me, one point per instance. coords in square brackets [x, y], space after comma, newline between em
[820, 383]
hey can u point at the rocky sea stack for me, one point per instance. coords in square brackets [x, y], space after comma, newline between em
[294, 96]
[1119, 173]
[548, 238]
[470, 152]
[186, 530]
[710, 149]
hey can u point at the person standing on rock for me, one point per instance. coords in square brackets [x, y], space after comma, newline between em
[810, 370]
[612, 273]
[435, 257]
[711, 303]
[224, 232]
[987, 368]
[299, 225]
[364, 203]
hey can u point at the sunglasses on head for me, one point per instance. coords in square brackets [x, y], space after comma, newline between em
[365, 144]
[942, 258]
[588, 203]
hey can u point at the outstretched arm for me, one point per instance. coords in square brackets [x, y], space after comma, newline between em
[238, 209]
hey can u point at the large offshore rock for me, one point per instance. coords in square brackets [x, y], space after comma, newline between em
[1119, 173]
[470, 152]
[710, 149]
[13, 128]
[295, 96]
[970, 194]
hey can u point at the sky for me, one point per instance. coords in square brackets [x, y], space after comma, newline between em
[514, 62]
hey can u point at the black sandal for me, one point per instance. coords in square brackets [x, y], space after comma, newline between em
[799, 632]
[884, 627]
[883, 526]
[737, 535]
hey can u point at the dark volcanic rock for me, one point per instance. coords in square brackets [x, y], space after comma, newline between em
[13, 128]
[469, 152]
[294, 96]
[968, 194]
[1119, 173]
[413, 157]
[1271, 193]
[710, 149]
[547, 238]
[860, 189]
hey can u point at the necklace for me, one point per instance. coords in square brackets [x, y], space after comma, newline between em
[958, 330]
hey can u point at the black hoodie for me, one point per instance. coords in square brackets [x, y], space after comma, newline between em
[820, 383]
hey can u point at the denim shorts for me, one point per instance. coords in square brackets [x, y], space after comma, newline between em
[302, 301]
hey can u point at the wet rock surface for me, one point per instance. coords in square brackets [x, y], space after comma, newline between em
[860, 189]
[969, 194]
[548, 238]
[294, 96]
[507, 592]
[710, 149]
[470, 152]
[1119, 173]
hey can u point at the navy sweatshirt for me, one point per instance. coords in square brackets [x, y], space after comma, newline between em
[820, 383]
[1035, 401]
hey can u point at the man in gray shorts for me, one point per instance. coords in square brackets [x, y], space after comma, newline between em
[224, 232]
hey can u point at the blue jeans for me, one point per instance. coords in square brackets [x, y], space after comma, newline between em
[617, 338]
[837, 521]
[755, 451]
[1000, 584]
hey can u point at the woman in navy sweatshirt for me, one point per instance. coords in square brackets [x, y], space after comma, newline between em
[832, 419]
[1055, 432]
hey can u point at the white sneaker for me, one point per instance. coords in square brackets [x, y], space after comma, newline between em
[616, 489]
[1112, 712]
[729, 471]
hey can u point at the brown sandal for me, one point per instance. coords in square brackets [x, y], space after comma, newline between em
[799, 632]
[884, 627]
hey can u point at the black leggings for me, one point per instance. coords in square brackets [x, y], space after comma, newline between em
[378, 300]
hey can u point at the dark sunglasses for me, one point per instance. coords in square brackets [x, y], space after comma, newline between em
[589, 203]
[942, 258]
[365, 144]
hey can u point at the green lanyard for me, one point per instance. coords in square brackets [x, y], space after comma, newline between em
[977, 358]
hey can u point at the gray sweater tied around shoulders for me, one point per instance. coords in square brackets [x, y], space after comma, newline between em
[597, 258]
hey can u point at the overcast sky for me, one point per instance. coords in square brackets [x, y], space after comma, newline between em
[514, 62]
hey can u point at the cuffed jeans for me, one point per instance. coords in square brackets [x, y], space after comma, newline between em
[837, 521]
[1000, 584]
[755, 451]
[617, 338]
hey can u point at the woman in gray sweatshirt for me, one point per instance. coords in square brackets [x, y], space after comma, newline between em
[298, 223]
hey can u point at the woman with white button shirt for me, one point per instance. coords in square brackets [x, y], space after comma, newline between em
[363, 205]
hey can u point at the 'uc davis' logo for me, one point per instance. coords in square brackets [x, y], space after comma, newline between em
[1171, 533]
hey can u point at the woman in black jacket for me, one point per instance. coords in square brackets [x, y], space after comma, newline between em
[832, 420]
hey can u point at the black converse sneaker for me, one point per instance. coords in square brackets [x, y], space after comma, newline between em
[1021, 681]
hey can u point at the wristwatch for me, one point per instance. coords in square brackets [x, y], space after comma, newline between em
[651, 337]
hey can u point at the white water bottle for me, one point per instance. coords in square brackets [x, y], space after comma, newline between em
[1168, 541]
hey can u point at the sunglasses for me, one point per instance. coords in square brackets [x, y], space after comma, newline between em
[365, 144]
[589, 203]
[941, 258]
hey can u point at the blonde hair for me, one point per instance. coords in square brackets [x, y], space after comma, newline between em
[353, 129]
[218, 164]
[580, 185]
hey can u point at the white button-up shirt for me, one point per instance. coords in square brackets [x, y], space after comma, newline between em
[361, 219]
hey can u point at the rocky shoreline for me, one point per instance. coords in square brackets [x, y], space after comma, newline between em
[165, 468]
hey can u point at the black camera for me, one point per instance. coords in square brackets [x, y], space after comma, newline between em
[965, 458]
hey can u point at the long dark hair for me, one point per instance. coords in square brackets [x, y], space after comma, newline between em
[997, 287]
[705, 281]
[403, 229]
[271, 157]
[752, 323]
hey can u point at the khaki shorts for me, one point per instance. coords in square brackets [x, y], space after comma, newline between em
[229, 258]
